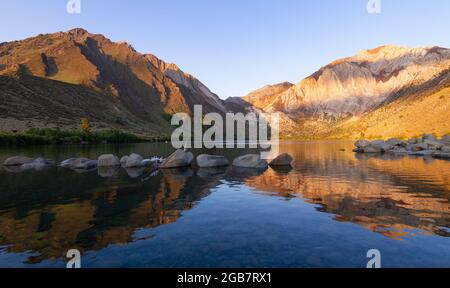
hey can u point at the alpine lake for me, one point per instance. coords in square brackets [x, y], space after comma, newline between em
[328, 210]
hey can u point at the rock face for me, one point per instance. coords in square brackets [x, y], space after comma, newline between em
[108, 160]
[17, 161]
[109, 80]
[208, 161]
[266, 95]
[387, 91]
[250, 161]
[353, 85]
[282, 160]
[178, 159]
[196, 90]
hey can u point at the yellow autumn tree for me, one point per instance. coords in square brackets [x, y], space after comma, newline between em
[85, 125]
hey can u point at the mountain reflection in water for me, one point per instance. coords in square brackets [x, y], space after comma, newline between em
[49, 212]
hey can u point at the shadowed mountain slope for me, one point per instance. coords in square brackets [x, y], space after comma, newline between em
[143, 88]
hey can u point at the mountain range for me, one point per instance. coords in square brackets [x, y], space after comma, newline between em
[53, 80]
[385, 92]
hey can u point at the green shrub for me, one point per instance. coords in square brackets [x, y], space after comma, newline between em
[57, 136]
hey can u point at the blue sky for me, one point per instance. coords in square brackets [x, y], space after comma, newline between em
[236, 46]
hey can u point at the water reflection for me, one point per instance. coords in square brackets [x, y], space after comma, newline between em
[61, 209]
[396, 196]
[48, 212]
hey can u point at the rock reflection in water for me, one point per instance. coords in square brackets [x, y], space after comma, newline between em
[108, 172]
[45, 213]
[89, 212]
[396, 196]
[134, 173]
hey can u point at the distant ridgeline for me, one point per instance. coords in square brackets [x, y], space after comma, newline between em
[54, 80]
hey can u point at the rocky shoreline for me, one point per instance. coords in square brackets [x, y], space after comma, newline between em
[134, 162]
[427, 145]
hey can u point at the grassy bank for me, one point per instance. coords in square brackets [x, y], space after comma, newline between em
[56, 136]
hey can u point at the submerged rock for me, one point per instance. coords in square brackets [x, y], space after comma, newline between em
[21, 164]
[79, 163]
[86, 165]
[108, 160]
[37, 164]
[206, 161]
[250, 161]
[282, 160]
[17, 161]
[68, 163]
[178, 159]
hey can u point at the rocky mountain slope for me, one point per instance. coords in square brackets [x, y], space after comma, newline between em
[412, 112]
[265, 96]
[109, 82]
[54, 80]
[351, 96]
[198, 93]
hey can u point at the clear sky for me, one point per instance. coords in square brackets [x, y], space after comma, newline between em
[236, 46]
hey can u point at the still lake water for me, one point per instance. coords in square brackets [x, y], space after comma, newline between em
[327, 211]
